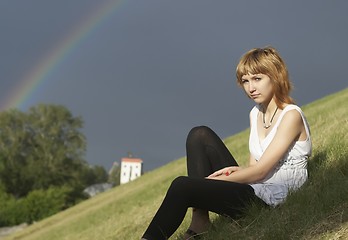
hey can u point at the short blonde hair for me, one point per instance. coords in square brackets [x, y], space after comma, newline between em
[267, 61]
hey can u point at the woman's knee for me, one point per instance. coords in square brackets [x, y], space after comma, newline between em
[198, 133]
[178, 182]
[178, 185]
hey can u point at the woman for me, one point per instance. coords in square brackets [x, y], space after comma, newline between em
[279, 145]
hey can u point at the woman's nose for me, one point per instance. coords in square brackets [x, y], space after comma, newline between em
[251, 87]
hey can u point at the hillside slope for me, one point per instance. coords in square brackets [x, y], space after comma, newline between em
[317, 211]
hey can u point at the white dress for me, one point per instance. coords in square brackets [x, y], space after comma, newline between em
[291, 171]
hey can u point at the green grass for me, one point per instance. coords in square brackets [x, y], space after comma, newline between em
[319, 210]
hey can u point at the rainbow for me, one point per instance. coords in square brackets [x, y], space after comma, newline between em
[36, 76]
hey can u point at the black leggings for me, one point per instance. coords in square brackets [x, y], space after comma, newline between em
[206, 153]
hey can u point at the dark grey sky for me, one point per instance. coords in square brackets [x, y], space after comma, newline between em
[153, 69]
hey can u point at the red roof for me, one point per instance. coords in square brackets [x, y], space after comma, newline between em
[126, 159]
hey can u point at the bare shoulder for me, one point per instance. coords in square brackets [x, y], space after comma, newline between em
[292, 123]
[292, 116]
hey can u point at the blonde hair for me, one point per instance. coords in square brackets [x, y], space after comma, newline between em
[267, 61]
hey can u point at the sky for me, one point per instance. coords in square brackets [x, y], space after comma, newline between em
[141, 74]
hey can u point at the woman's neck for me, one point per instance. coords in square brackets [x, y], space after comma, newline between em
[269, 108]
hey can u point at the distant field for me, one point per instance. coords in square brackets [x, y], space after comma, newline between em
[318, 211]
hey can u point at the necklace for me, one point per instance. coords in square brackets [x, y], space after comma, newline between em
[270, 122]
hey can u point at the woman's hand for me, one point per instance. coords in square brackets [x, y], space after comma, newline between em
[224, 172]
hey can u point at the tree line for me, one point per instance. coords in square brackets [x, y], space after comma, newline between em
[42, 165]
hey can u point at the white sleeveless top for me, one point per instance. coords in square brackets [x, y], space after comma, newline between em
[291, 171]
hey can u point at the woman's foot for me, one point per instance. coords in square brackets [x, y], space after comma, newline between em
[190, 234]
[200, 224]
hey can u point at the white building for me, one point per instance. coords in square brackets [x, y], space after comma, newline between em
[131, 168]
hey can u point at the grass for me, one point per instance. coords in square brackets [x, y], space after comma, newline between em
[319, 210]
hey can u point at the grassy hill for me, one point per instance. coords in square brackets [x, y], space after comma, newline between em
[318, 211]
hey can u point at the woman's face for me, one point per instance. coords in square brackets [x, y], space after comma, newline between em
[258, 87]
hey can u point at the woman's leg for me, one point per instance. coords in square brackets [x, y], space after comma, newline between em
[222, 197]
[206, 153]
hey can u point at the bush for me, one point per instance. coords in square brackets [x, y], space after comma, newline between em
[43, 203]
[37, 205]
[5, 203]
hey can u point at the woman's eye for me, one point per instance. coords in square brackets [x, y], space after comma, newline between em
[257, 78]
[244, 81]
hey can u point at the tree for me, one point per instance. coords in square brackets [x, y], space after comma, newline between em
[42, 166]
[41, 148]
[93, 175]
[15, 139]
[114, 174]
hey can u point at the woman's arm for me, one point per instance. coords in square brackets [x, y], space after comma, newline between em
[252, 161]
[289, 130]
